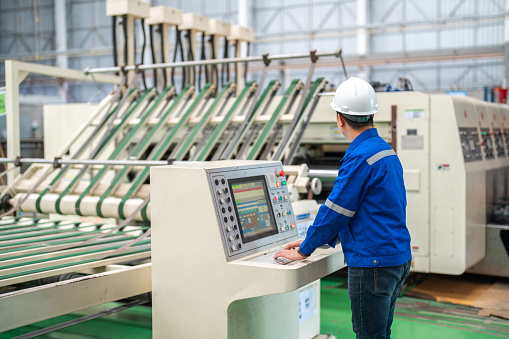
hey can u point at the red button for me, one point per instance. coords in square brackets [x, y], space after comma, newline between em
[282, 173]
[275, 198]
[293, 225]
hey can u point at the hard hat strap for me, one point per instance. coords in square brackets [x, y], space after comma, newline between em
[356, 118]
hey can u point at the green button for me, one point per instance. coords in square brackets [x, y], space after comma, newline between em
[284, 183]
[289, 212]
[280, 197]
[287, 227]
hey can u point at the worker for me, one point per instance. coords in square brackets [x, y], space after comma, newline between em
[366, 211]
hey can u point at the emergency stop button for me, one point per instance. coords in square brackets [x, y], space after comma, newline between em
[282, 173]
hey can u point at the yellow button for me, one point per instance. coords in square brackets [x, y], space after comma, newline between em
[374, 261]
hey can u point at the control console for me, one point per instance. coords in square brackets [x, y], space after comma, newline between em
[253, 208]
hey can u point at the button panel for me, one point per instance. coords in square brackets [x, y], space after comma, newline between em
[281, 203]
[278, 199]
[472, 147]
[227, 213]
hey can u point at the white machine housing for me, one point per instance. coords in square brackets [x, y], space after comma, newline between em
[201, 275]
[455, 165]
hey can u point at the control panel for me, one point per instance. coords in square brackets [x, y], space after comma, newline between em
[499, 143]
[487, 144]
[253, 208]
[470, 144]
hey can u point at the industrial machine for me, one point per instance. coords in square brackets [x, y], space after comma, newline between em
[234, 216]
[454, 152]
[236, 163]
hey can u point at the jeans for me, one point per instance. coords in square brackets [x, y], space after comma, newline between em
[373, 292]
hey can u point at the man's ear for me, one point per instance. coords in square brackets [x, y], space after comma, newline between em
[341, 120]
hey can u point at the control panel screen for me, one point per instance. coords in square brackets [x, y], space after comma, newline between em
[253, 208]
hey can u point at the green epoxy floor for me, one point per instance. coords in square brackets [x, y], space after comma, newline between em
[414, 318]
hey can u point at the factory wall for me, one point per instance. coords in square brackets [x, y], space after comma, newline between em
[397, 31]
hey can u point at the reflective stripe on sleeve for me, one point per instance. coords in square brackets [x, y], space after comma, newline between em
[339, 209]
[380, 155]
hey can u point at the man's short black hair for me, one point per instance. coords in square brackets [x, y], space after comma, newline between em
[357, 124]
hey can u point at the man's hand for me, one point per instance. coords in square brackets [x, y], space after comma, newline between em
[294, 245]
[289, 254]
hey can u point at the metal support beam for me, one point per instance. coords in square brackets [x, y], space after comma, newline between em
[61, 43]
[362, 37]
[506, 43]
[68, 296]
[15, 73]
[211, 62]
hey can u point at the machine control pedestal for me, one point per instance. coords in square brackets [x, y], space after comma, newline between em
[199, 273]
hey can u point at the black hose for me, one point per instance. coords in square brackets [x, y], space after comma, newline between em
[143, 52]
[124, 24]
[162, 53]
[203, 56]
[226, 66]
[214, 69]
[190, 57]
[181, 49]
[237, 43]
[152, 49]
[114, 39]
[246, 63]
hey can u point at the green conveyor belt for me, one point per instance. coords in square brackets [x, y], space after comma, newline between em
[64, 169]
[125, 142]
[269, 91]
[270, 124]
[186, 145]
[28, 253]
[67, 256]
[142, 145]
[158, 153]
[131, 250]
[108, 138]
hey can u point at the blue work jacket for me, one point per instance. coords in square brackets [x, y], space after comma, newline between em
[366, 207]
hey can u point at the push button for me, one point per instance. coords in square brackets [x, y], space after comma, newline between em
[293, 225]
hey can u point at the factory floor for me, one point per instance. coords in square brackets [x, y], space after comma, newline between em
[415, 318]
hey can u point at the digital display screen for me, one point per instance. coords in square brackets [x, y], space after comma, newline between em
[253, 208]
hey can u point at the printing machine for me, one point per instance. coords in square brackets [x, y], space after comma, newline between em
[454, 152]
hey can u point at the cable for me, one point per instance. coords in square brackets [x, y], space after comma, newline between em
[214, 71]
[152, 49]
[124, 24]
[246, 63]
[114, 38]
[143, 53]
[190, 57]
[227, 66]
[178, 47]
[236, 64]
[161, 27]
[203, 56]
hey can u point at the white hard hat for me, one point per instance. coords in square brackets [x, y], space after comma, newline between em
[355, 97]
